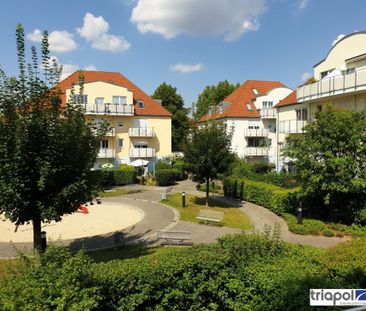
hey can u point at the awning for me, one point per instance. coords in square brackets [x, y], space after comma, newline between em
[139, 162]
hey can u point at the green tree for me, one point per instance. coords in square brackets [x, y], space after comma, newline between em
[212, 95]
[174, 103]
[208, 152]
[46, 151]
[330, 158]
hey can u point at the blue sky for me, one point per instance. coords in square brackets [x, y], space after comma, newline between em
[187, 43]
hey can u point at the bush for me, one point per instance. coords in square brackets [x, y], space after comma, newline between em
[362, 217]
[263, 167]
[180, 166]
[166, 177]
[126, 175]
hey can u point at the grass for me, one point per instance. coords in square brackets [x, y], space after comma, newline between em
[233, 217]
[119, 191]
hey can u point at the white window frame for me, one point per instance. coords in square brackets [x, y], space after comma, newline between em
[97, 99]
[119, 100]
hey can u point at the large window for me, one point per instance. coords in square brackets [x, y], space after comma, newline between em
[267, 105]
[119, 100]
[99, 100]
[81, 99]
[104, 144]
[302, 114]
[253, 142]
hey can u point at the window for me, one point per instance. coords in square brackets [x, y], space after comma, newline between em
[141, 104]
[120, 142]
[104, 144]
[255, 91]
[253, 127]
[99, 100]
[141, 145]
[302, 114]
[350, 70]
[249, 107]
[81, 99]
[319, 107]
[267, 105]
[119, 100]
[325, 73]
[253, 142]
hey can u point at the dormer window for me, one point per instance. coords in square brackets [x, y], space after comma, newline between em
[141, 104]
[255, 91]
[249, 107]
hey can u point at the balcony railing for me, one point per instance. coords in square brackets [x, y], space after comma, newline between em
[256, 151]
[106, 153]
[336, 85]
[108, 109]
[256, 132]
[268, 113]
[292, 126]
[142, 152]
[141, 132]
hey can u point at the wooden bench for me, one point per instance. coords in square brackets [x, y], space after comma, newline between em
[175, 237]
[210, 216]
[165, 193]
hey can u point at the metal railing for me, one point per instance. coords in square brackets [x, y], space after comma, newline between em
[141, 132]
[108, 109]
[268, 113]
[292, 126]
[142, 152]
[256, 151]
[106, 153]
[336, 85]
[256, 132]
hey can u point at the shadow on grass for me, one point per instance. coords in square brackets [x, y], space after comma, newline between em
[217, 202]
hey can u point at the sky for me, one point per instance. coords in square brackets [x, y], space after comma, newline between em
[189, 44]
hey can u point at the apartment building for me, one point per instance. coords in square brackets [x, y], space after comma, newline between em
[339, 79]
[140, 126]
[249, 112]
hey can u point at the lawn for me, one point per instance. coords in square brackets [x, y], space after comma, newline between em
[233, 217]
[118, 191]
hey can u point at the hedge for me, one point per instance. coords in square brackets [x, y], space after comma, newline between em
[277, 199]
[166, 177]
[126, 175]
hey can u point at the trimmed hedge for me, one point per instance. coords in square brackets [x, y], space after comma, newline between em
[278, 200]
[126, 175]
[166, 177]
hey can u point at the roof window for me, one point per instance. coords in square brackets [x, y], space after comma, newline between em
[255, 91]
[249, 107]
[141, 104]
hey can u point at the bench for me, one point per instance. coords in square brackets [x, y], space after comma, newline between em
[210, 216]
[165, 193]
[175, 237]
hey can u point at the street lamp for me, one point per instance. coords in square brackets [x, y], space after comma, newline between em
[183, 199]
[299, 214]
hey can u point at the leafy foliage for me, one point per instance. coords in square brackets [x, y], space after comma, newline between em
[213, 95]
[174, 103]
[331, 162]
[166, 177]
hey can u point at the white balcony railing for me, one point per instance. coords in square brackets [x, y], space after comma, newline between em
[141, 132]
[256, 151]
[142, 152]
[108, 109]
[292, 126]
[336, 85]
[256, 132]
[106, 153]
[268, 113]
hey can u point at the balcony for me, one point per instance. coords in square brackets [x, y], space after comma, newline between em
[110, 133]
[337, 85]
[141, 132]
[106, 153]
[256, 151]
[256, 132]
[268, 113]
[142, 152]
[292, 126]
[108, 109]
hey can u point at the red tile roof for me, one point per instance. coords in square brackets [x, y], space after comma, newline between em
[291, 99]
[244, 95]
[151, 107]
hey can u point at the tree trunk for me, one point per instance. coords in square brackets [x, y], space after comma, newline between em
[37, 233]
[207, 190]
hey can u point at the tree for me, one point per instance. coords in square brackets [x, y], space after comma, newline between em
[174, 103]
[46, 151]
[330, 158]
[208, 152]
[212, 95]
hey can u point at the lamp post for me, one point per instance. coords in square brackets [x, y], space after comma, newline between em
[183, 199]
[43, 241]
[299, 214]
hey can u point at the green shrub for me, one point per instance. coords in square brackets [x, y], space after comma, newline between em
[126, 175]
[180, 166]
[166, 177]
[315, 226]
[362, 217]
[327, 232]
[108, 178]
[263, 167]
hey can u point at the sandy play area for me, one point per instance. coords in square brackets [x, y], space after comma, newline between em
[102, 218]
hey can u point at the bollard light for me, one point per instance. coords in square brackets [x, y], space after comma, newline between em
[43, 241]
[299, 215]
[183, 199]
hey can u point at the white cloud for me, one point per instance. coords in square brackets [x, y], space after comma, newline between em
[59, 41]
[90, 67]
[340, 36]
[306, 76]
[303, 4]
[95, 30]
[187, 68]
[170, 18]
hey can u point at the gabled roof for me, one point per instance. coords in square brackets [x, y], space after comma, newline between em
[291, 99]
[242, 96]
[151, 107]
